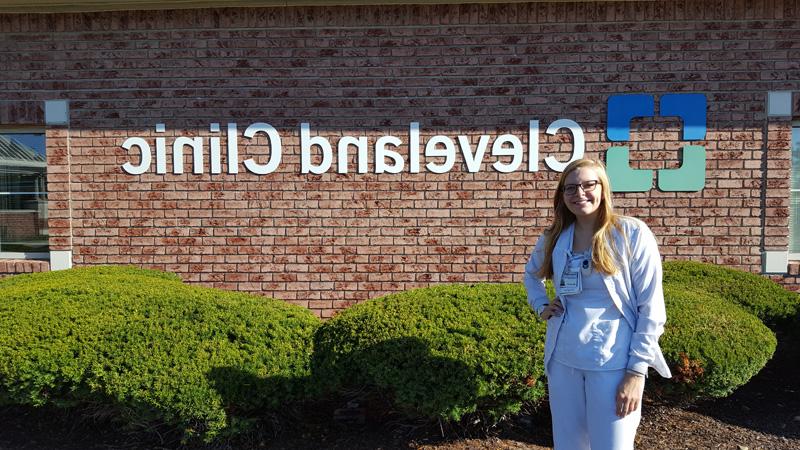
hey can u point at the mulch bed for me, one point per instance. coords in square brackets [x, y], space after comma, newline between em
[764, 414]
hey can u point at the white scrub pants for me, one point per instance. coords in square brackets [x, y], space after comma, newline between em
[583, 406]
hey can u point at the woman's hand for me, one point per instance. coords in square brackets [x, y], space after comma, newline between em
[553, 309]
[629, 394]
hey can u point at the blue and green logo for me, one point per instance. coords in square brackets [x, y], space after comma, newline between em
[690, 176]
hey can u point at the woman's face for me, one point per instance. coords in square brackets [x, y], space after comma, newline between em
[583, 192]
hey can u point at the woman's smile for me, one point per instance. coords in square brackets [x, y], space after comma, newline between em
[582, 192]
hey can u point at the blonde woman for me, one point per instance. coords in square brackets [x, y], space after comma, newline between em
[604, 324]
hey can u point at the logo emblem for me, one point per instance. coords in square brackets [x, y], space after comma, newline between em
[690, 176]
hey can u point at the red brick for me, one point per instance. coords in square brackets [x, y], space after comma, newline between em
[327, 241]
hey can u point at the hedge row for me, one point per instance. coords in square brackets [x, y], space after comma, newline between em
[440, 352]
[767, 300]
[712, 345]
[155, 350]
[150, 348]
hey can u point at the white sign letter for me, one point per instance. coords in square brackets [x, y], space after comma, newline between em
[144, 150]
[341, 152]
[161, 150]
[577, 147]
[448, 152]
[413, 147]
[473, 160]
[306, 142]
[233, 148]
[197, 154]
[274, 147]
[533, 146]
[381, 153]
[216, 165]
[515, 151]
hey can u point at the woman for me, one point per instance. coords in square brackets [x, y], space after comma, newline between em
[604, 324]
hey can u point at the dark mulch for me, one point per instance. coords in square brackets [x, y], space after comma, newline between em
[764, 414]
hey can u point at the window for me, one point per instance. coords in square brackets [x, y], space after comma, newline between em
[794, 200]
[23, 195]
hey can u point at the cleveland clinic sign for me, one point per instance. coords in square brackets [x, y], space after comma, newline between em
[439, 153]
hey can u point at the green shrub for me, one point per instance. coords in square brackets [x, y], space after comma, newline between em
[439, 352]
[149, 348]
[110, 272]
[766, 299]
[711, 345]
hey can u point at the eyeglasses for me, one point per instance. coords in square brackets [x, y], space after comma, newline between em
[586, 186]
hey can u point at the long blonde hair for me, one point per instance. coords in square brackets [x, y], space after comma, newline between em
[604, 253]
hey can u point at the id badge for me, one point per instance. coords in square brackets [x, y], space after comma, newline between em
[571, 279]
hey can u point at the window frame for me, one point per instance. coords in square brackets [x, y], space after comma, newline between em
[28, 130]
[795, 129]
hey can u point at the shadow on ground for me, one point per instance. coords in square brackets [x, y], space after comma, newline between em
[770, 402]
[761, 414]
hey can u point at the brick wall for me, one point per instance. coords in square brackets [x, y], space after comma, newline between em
[326, 241]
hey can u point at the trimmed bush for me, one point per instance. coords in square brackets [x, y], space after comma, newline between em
[150, 349]
[712, 346]
[90, 272]
[450, 350]
[766, 299]
[439, 352]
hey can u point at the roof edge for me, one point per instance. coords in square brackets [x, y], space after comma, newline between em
[63, 6]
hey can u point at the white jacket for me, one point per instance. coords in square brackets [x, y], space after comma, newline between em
[636, 290]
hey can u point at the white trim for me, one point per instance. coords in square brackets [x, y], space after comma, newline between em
[792, 192]
[60, 259]
[56, 112]
[775, 262]
[69, 192]
[779, 104]
[24, 255]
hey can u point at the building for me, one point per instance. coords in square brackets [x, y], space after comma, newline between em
[328, 152]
